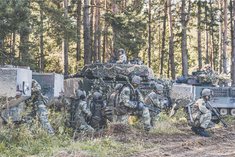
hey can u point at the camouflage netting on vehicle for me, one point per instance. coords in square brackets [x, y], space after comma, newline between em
[111, 71]
[70, 86]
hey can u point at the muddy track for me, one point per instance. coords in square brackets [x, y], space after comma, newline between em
[220, 144]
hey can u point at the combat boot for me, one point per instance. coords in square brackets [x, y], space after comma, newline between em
[203, 132]
[200, 131]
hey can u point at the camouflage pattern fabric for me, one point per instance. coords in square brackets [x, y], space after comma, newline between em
[122, 59]
[128, 104]
[37, 107]
[201, 115]
[39, 101]
[81, 113]
[154, 100]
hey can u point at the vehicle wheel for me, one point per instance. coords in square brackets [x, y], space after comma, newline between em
[223, 111]
[232, 112]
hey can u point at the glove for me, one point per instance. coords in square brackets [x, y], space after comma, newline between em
[140, 106]
[89, 114]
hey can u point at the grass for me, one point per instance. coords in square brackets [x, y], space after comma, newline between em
[31, 141]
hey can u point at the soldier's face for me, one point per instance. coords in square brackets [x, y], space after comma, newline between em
[135, 85]
[207, 97]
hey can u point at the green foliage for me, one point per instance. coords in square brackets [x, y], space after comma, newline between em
[129, 29]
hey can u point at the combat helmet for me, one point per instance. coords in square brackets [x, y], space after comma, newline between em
[80, 94]
[206, 92]
[157, 87]
[122, 51]
[136, 80]
[36, 87]
[97, 96]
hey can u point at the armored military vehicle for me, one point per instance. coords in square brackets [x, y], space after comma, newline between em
[104, 77]
[223, 98]
[99, 76]
[14, 82]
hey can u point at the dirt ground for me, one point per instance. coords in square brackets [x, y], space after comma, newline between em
[220, 144]
[183, 144]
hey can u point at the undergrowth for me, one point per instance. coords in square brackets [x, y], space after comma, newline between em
[30, 140]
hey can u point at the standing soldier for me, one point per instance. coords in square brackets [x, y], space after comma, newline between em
[201, 115]
[36, 103]
[155, 100]
[121, 56]
[130, 101]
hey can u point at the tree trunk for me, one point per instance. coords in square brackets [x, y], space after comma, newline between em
[184, 40]
[233, 54]
[220, 38]
[149, 34]
[171, 42]
[1, 51]
[41, 39]
[66, 46]
[79, 21]
[199, 35]
[212, 58]
[13, 47]
[225, 38]
[97, 31]
[105, 35]
[163, 38]
[207, 36]
[231, 26]
[87, 38]
[24, 46]
[93, 54]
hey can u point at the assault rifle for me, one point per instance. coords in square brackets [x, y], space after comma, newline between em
[156, 110]
[216, 113]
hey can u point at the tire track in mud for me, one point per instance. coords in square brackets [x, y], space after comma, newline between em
[220, 144]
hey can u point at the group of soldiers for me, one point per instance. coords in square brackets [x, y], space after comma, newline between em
[90, 115]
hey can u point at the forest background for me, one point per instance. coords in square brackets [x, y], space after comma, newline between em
[173, 37]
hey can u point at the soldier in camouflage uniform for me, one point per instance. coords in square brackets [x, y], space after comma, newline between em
[131, 102]
[155, 100]
[122, 56]
[97, 106]
[36, 103]
[201, 115]
[82, 112]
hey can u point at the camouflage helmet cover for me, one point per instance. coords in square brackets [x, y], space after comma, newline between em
[122, 51]
[97, 96]
[136, 80]
[206, 92]
[80, 93]
[158, 87]
[35, 86]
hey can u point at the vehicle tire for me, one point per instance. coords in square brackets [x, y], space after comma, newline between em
[223, 111]
[232, 112]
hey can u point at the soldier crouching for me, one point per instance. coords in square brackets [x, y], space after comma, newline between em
[82, 113]
[131, 102]
[201, 115]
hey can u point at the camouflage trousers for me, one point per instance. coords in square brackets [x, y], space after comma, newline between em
[42, 114]
[203, 120]
[86, 128]
[143, 114]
